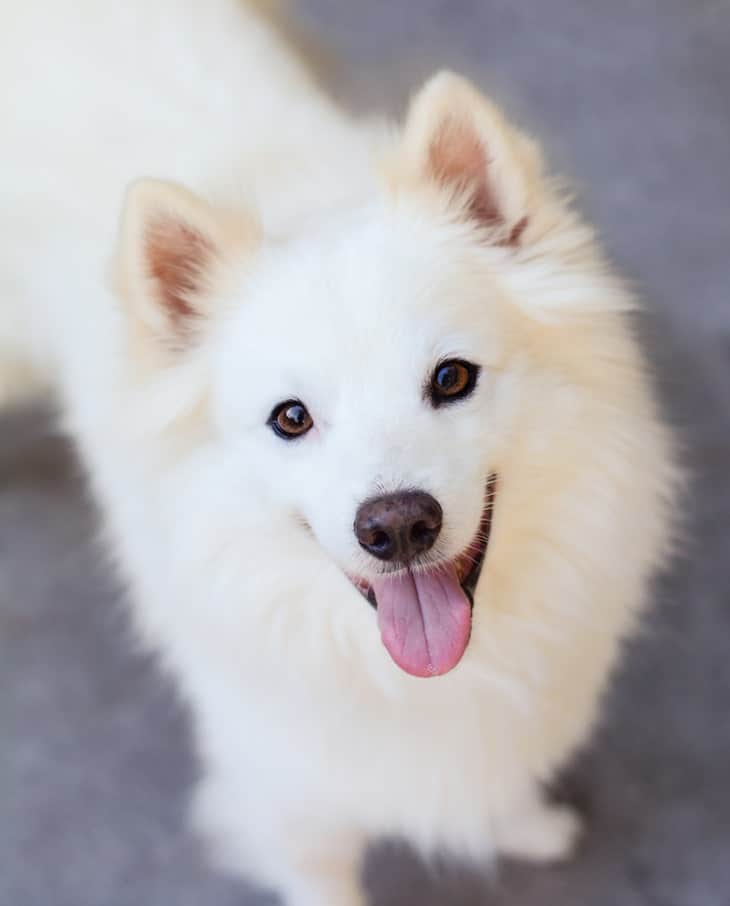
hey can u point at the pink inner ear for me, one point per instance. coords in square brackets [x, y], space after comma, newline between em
[458, 159]
[176, 258]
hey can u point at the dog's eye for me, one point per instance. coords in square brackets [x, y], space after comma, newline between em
[452, 380]
[290, 419]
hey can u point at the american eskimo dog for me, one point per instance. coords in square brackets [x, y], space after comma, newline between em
[371, 434]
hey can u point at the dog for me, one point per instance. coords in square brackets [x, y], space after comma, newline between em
[375, 448]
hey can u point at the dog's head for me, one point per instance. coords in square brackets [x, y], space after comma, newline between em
[381, 375]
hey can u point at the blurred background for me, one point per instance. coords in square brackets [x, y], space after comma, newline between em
[632, 101]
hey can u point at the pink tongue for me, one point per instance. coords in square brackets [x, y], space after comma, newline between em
[424, 619]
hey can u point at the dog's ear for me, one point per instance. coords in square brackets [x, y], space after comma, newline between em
[457, 140]
[171, 261]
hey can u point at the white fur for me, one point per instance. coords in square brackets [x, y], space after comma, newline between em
[342, 273]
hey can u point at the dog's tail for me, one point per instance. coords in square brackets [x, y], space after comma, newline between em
[319, 59]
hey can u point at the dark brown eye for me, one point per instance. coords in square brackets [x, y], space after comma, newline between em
[290, 419]
[452, 380]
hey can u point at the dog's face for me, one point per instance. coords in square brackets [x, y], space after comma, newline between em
[365, 375]
[373, 357]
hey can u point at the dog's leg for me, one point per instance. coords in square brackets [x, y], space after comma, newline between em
[18, 382]
[324, 870]
[308, 861]
[535, 830]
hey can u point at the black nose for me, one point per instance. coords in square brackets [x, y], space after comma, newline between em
[398, 526]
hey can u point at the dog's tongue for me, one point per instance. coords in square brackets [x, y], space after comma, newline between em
[424, 619]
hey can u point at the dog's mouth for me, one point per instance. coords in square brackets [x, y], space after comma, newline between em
[425, 612]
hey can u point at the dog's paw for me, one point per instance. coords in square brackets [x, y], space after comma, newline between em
[324, 890]
[544, 833]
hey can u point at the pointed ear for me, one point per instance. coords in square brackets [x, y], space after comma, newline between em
[171, 259]
[457, 140]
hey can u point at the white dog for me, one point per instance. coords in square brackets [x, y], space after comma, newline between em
[372, 438]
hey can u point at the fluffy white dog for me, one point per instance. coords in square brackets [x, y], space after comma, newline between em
[371, 435]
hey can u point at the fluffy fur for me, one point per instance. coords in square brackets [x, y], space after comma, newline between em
[333, 260]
